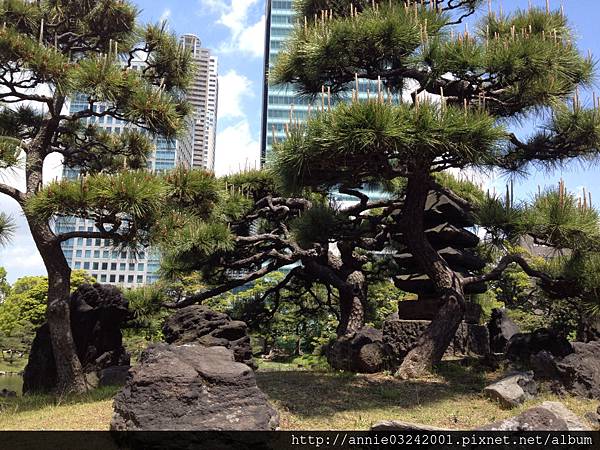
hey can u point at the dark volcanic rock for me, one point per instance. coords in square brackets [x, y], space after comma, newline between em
[501, 329]
[198, 324]
[521, 346]
[400, 336]
[589, 329]
[579, 372]
[113, 376]
[361, 352]
[191, 388]
[97, 312]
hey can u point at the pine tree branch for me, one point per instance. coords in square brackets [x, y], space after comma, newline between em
[13, 193]
[506, 261]
[199, 297]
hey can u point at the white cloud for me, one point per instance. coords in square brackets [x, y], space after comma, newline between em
[245, 34]
[165, 15]
[252, 39]
[233, 88]
[237, 149]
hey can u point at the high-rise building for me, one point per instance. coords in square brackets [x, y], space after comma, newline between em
[279, 100]
[97, 256]
[203, 96]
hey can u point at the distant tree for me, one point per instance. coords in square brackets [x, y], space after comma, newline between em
[4, 285]
[26, 303]
[50, 51]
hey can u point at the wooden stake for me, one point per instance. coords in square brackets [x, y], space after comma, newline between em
[322, 98]
[328, 98]
[356, 82]
[547, 6]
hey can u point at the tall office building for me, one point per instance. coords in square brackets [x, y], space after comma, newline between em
[278, 100]
[96, 256]
[203, 96]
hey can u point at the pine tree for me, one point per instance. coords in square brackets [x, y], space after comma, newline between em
[51, 50]
[468, 88]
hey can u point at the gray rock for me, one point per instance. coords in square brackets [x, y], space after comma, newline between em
[114, 376]
[400, 336]
[501, 328]
[533, 419]
[361, 352]
[573, 422]
[399, 425]
[191, 387]
[512, 390]
[579, 372]
[544, 365]
[199, 324]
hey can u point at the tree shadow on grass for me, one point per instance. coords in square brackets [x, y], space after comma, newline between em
[36, 402]
[311, 394]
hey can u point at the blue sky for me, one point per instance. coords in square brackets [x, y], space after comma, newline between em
[234, 30]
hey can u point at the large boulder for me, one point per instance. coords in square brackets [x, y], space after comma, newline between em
[191, 388]
[97, 312]
[199, 324]
[548, 416]
[501, 328]
[512, 390]
[522, 346]
[579, 372]
[400, 336]
[361, 352]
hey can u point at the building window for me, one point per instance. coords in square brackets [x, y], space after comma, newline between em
[131, 266]
[113, 266]
[122, 266]
[86, 265]
[96, 253]
[141, 266]
[112, 278]
[121, 278]
[104, 266]
[140, 278]
[105, 254]
[78, 264]
[78, 253]
[88, 253]
[103, 278]
[95, 266]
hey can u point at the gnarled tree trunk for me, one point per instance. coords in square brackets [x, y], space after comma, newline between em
[432, 344]
[68, 367]
[353, 296]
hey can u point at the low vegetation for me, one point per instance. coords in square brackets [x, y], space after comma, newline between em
[313, 399]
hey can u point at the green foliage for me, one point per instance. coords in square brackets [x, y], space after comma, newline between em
[317, 224]
[557, 218]
[358, 142]
[7, 229]
[4, 285]
[145, 304]
[388, 36]
[25, 304]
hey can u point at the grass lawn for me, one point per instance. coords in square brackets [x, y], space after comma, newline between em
[17, 366]
[313, 400]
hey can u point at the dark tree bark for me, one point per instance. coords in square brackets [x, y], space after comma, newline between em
[353, 297]
[68, 367]
[435, 340]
